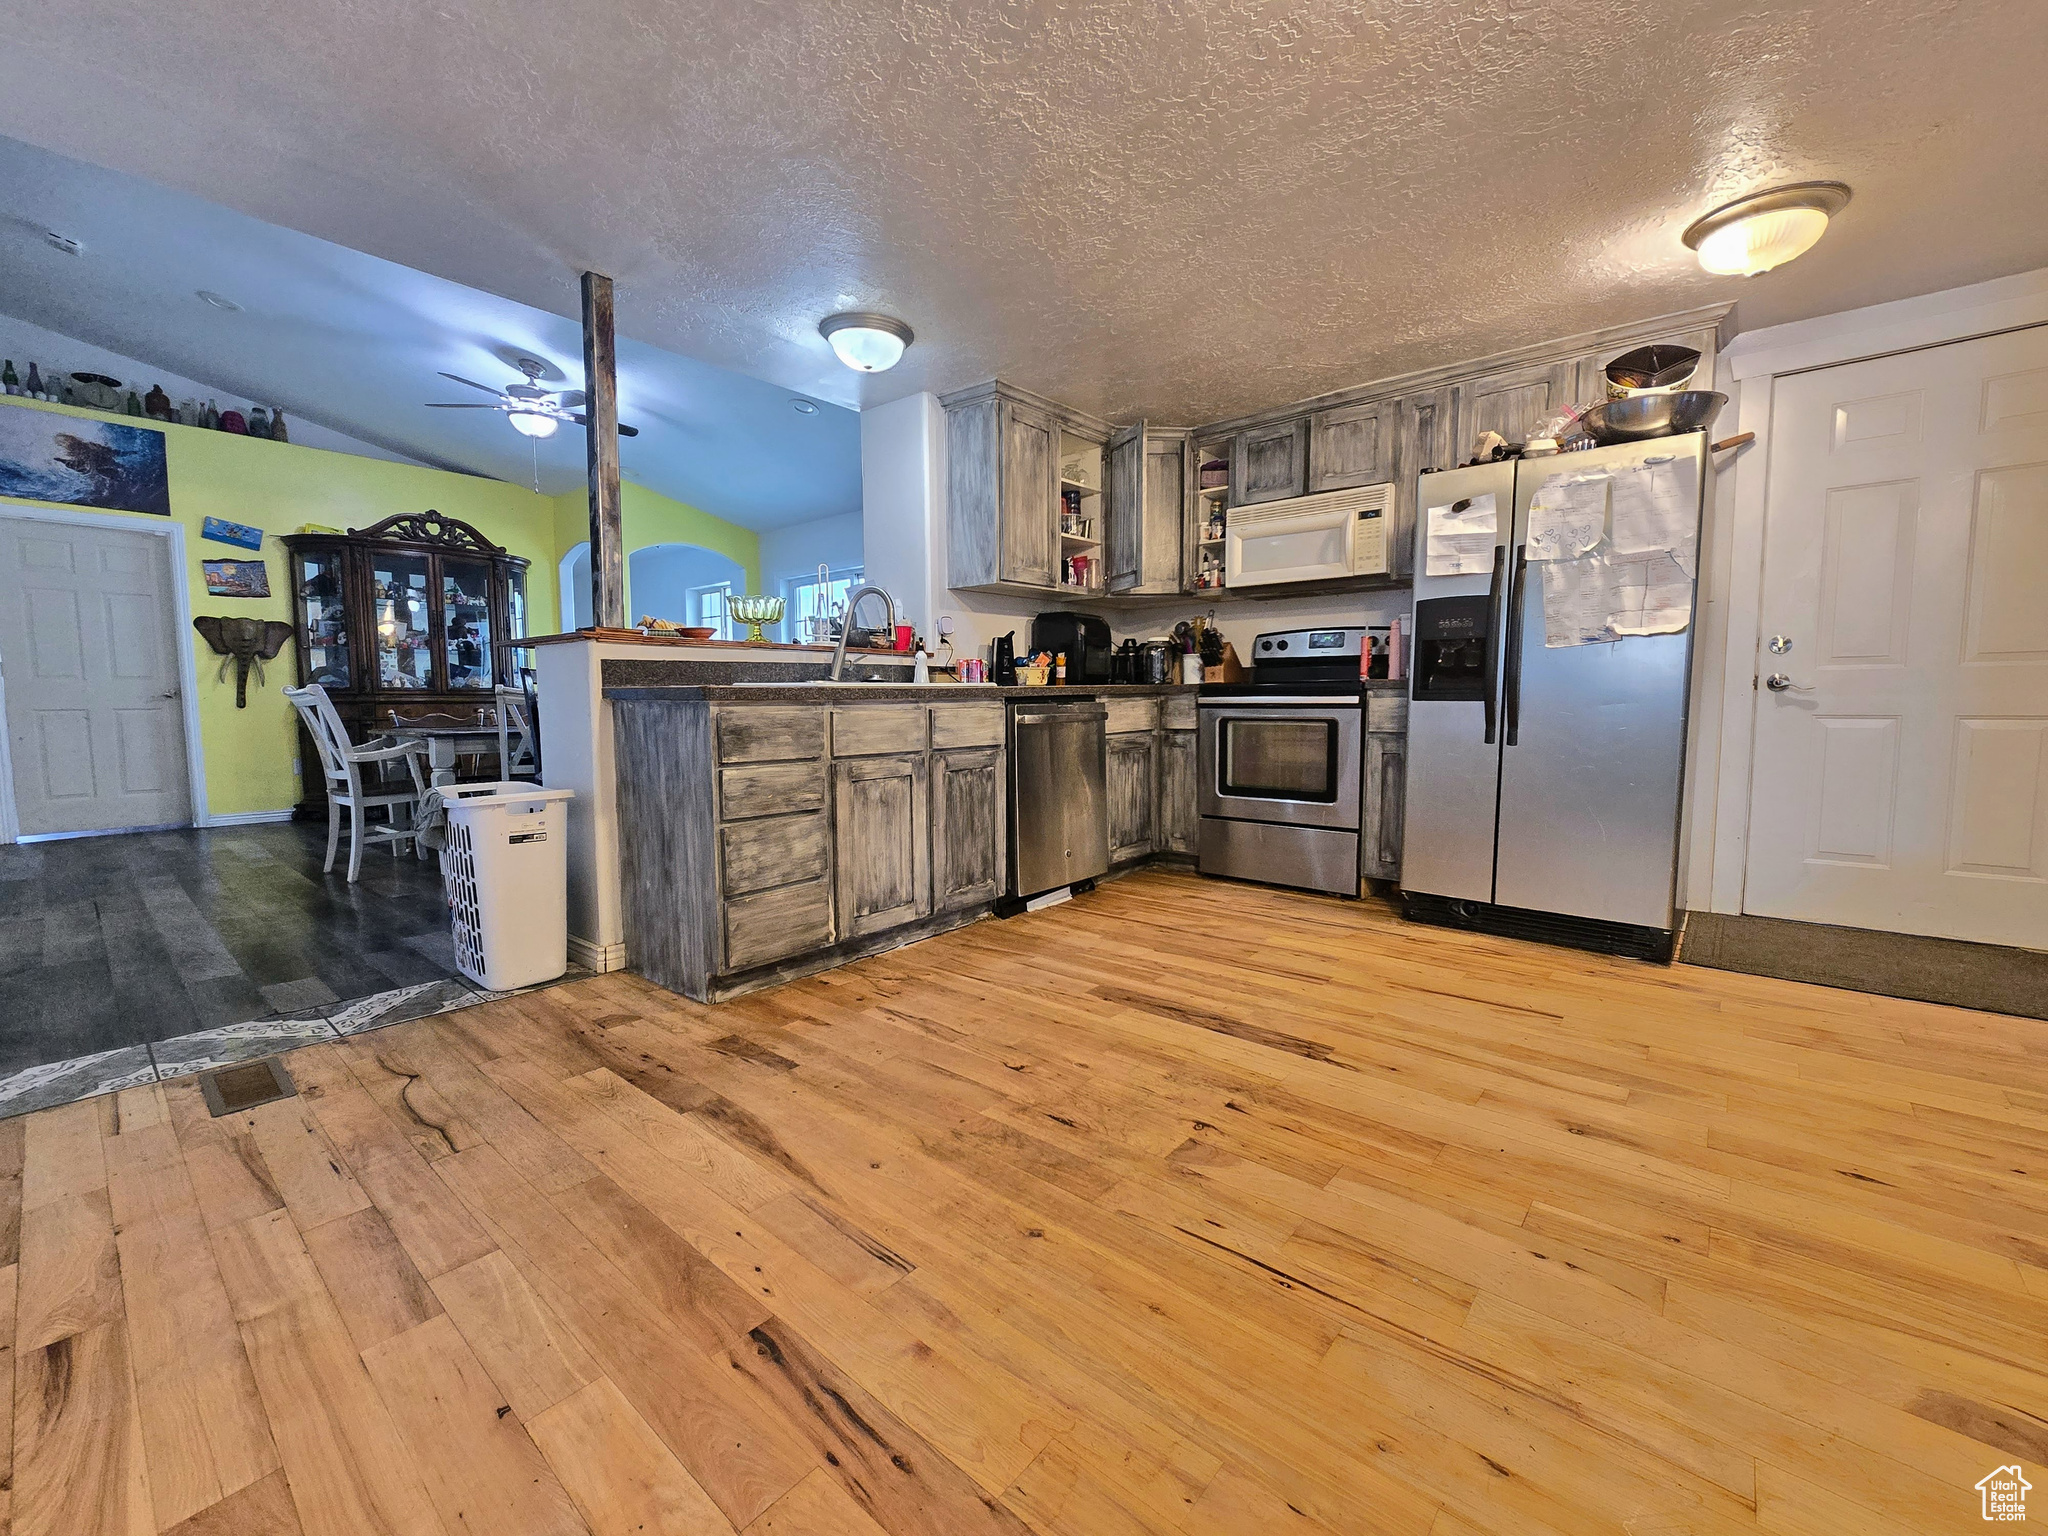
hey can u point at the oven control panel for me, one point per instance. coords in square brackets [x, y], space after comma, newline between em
[1308, 644]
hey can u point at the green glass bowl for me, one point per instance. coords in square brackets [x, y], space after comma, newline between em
[754, 610]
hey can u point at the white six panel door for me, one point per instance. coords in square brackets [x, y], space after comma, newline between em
[88, 648]
[1906, 568]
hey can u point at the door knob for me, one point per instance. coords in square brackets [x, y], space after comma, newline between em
[1778, 682]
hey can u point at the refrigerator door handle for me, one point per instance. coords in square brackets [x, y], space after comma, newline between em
[1492, 622]
[1512, 687]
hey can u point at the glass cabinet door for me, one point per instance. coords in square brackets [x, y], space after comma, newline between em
[515, 602]
[466, 622]
[399, 611]
[323, 618]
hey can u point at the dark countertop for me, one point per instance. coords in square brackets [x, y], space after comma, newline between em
[888, 693]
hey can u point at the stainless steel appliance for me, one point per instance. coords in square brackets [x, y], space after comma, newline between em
[1059, 808]
[1547, 715]
[1278, 767]
[1330, 536]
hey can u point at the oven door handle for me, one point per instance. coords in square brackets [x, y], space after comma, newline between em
[1512, 688]
[1500, 552]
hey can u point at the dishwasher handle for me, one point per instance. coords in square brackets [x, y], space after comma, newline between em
[1058, 712]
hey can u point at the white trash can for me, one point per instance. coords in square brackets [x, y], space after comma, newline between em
[506, 871]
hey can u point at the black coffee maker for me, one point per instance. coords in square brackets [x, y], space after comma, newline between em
[1002, 660]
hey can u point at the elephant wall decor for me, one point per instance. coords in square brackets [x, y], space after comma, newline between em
[247, 643]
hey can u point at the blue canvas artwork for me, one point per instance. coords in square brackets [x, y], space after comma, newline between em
[221, 531]
[75, 461]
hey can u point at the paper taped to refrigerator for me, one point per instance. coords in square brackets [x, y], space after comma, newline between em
[1656, 508]
[1606, 597]
[1462, 537]
[1654, 595]
[1579, 598]
[1567, 517]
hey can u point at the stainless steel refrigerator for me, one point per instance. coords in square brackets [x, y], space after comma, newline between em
[1548, 693]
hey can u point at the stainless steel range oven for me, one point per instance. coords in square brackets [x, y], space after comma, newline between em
[1279, 777]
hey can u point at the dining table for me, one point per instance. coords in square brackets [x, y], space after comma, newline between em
[444, 744]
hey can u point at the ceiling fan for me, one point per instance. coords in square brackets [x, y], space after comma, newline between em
[533, 411]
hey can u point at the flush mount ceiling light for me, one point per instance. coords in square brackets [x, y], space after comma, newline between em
[1766, 229]
[803, 407]
[210, 297]
[866, 343]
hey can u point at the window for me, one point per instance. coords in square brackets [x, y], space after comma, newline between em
[707, 608]
[806, 598]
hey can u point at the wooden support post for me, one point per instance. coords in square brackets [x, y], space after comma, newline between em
[601, 383]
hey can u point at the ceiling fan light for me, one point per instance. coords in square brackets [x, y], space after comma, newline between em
[532, 424]
[1766, 229]
[866, 343]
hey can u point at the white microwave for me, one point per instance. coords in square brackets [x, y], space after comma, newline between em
[1325, 537]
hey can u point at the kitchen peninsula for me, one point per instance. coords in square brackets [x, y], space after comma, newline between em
[770, 830]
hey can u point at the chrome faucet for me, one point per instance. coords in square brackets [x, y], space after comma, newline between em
[846, 625]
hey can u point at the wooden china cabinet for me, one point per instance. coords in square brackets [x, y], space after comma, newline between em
[412, 615]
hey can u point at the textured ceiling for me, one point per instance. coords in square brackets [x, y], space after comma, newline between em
[1163, 207]
[358, 344]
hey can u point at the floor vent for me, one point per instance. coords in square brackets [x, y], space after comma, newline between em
[1623, 939]
[230, 1090]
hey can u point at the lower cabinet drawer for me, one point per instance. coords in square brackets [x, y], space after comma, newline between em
[1178, 711]
[1128, 714]
[752, 733]
[773, 925]
[770, 789]
[873, 729]
[1386, 711]
[966, 725]
[754, 855]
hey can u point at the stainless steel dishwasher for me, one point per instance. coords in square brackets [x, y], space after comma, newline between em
[1059, 809]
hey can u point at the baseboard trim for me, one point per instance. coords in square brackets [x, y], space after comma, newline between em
[249, 818]
[600, 958]
[1992, 977]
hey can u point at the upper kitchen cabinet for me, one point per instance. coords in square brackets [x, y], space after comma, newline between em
[1422, 442]
[1270, 462]
[1511, 401]
[1151, 512]
[1352, 445]
[1026, 488]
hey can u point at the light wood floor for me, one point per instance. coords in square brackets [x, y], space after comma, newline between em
[1185, 1208]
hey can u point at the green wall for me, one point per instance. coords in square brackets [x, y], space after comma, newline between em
[648, 517]
[278, 487]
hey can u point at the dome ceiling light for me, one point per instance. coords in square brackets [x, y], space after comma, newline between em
[1766, 229]
[866, 343]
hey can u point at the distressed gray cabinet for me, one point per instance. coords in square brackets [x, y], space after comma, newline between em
[1004, 451]
[968, 807]
[881, 843]
[1150, 511]
[761, 841]
[1352, 445]
[1270, 462]
[1177, 788]
[1132, 781]
[1150, 775]
[1511, 401]
[1385, 769]
[1422, 443]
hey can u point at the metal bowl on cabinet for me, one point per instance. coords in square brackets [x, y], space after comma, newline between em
[1646, 416]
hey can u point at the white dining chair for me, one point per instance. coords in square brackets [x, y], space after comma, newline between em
[342, 763]
[518, 755]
